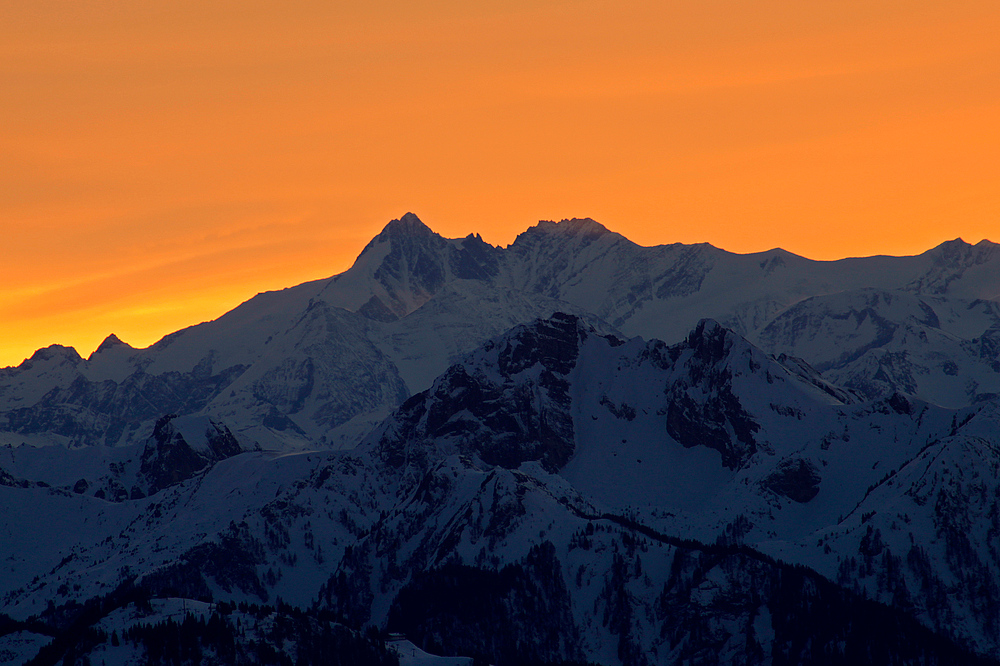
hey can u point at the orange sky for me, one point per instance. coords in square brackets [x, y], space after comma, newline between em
[161, 162]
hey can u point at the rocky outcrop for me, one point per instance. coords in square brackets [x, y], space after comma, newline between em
[513, 410]
[169, 458]
[703, 410]
[796, 479]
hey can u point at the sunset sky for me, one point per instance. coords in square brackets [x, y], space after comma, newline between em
[161, 162]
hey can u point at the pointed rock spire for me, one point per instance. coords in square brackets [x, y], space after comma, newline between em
[408, 225]
[111, 342]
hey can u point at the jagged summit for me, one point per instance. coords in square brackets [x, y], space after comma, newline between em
[584, 228]
[408, 225]
[408, 231]
[405, 265]
[958, 251]
[507, 402]
[575, 225]
[111, 342]
[710, 341]
[962, 244]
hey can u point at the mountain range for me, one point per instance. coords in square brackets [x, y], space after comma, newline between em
[574, 449]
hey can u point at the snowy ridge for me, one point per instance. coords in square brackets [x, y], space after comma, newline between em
[364, 534]
[317, 365]
[806, 467]
[938, 349]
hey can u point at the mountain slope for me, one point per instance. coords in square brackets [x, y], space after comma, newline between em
[320, 363]
[618, 501]
[878, 342]
[814, 439]
[772, 459]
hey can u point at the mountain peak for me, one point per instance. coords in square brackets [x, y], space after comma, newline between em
[481, 406]
[957, 254]
[958, 247]
[407, 263]
[953, 245]
[585, 227]
[408, 225]
[66, 354]
[579, 231]
[111, 342]
[713, 343]
[709, 338]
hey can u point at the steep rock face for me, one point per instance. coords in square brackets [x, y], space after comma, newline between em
[510, 405]
[550, 257]
[27, 383]
[535, 393]
[169, 458]
[702, 408]
[405, 266]
[34, 381]
[526, 395]
[808, 373]
[582, 262]
[796, 479]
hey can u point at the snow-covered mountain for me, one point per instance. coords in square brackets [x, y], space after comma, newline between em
[804, 471]
[616, 501]
[704, 440]
[943, 350]
[321, 363]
